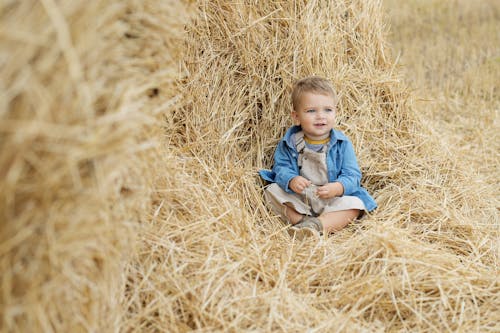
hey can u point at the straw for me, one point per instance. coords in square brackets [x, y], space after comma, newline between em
[131, 137]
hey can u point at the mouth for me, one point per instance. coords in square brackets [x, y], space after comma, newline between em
[320, 124]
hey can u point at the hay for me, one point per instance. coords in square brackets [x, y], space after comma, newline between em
[453, 64]
[155, 221]
[77, 134]
[229, 266]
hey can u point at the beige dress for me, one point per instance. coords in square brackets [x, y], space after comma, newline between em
[313, 167]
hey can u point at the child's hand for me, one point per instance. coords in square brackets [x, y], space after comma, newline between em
[330, 190]
[298, 184]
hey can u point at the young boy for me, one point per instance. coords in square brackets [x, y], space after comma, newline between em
[315, 180]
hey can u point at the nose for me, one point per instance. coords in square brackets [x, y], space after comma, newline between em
[321, 114]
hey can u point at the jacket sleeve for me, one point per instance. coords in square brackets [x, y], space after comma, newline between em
[350, 175]
[285, 166]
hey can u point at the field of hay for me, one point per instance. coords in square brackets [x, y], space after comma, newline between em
[450, 54]
[131, 133]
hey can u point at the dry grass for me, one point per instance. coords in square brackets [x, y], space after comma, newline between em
[451, 55]
[77, 138]
[130, 144]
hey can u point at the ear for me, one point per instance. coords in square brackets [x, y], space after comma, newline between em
[295, 117]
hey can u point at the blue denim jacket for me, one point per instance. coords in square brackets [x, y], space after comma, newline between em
[340, 160]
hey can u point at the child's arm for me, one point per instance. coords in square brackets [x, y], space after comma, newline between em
[286, 169]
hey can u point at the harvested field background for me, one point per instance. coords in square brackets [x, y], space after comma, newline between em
[131, 134]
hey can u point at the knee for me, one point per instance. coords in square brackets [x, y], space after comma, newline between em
[291, 214]
[355, 213]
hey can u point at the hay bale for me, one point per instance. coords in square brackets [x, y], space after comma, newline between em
[78, 137]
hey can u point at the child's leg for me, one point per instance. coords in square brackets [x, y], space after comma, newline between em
[335, 221]
[291, 214]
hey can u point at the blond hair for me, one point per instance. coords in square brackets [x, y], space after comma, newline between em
[314, 84]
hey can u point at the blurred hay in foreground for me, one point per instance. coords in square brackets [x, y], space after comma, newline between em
[100, 144]
[78, 135]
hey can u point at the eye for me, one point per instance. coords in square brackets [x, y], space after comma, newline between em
[329, 110]
[310, 111]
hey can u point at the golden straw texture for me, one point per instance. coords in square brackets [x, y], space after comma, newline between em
[131, 134]
[78, 138]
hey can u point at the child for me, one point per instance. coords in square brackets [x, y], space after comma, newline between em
[315, 180]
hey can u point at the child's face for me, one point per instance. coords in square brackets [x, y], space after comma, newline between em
[315, 114]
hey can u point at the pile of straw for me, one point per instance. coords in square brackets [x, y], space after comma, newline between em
[131, 135]
[80, 128]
